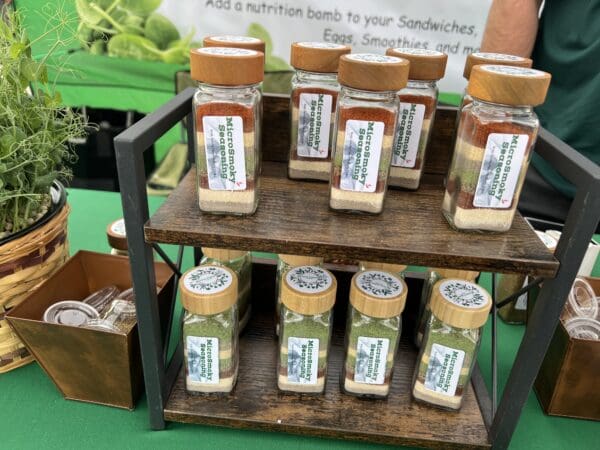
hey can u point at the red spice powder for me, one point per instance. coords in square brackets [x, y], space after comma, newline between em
[314, 90]
[429, 102]
[371, 114]
[475, 131]
[226, 109]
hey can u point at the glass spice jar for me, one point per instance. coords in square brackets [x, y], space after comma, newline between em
[459, 309]
[433, 276]
[285, 263]
[418, 102]
[515, 312]
[241, 263]
[495, 139]
[373, 329]
[498, 59]
[312, 108]
[210, 328]
[396, 269]
[227, 119]
[307, 296]
[366, 115]
[117, 238]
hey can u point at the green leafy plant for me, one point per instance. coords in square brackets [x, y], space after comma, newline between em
[130, 29]
[35, 129]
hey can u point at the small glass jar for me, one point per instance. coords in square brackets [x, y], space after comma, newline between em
[285, 263]
[459, 310]
[366, 115]
[227, 122]
[312, 108]
[308, 296]
[433, 276]
[418, 102]
[373, 329]
[515, 312]
[396, 269]
[117, 237]
[210, 329]
[241, 263]
[494, 143]
[498, 59]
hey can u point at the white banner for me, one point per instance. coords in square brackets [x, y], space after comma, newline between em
[454, 27]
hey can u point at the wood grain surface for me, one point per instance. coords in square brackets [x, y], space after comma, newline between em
[257, 404]
[293, 217]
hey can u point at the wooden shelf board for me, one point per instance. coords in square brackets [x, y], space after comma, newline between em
[293, 217]
[256, 403]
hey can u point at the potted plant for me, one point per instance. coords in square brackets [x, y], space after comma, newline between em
[35, 153]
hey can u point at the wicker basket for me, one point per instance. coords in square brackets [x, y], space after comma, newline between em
[25, 263]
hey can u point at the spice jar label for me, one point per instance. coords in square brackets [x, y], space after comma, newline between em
[465, 294]
[203, 359]
[418, 51]
[379, 284]
[225, 158]
[408, 134]
[521, 302]
[308, 279]
[303, 360]
[226, 51]
[515, 71]
[502, 160]
[118, 227]
[371, 359]
[373, 58]
[207, 280]
[314, 125]
[362, 151]
[548, 240]
[443, 369]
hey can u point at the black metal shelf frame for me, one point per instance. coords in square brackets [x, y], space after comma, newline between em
[160, 372]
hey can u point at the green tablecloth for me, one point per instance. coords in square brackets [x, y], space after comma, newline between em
[34, 414]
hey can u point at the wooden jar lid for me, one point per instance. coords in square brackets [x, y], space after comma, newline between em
[223, 254]
[460, 274]
[323, 57]
[115, 232]
[298, 260]
[207, 290]
[234, 41]
[393, 268]
[226, 66]
[506, 85]
[371, 72]
[499, 59]
[308, 290]
[460, 303]
[378, 294]
[425, 65]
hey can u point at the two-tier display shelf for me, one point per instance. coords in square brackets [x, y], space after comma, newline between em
[293, 217]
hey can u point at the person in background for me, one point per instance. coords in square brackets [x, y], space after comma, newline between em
[564, 40]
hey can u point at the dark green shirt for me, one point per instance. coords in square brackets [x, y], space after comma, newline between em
[568, 47]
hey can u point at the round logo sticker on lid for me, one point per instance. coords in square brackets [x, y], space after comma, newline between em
[207, 280]
[463, 293]
[226, 51]
[418, 51]
[498, 56]
[511, 70]
[118, 227]
[326, 45]
[308, 279]
[234, 38]
[379, 284]
[374, 58]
